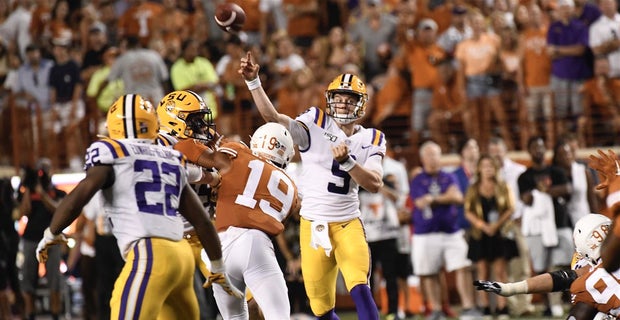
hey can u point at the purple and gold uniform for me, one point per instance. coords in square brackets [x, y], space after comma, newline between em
[194, 173]
[159, 266]
[331, 199]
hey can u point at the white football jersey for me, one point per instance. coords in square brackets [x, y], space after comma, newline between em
[194, 173]
[143, 201]
[328, 192]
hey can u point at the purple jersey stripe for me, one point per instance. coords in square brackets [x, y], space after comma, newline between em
[145, 279]
[123, 148]
[111, 147]
[129, 282]
[320, 118]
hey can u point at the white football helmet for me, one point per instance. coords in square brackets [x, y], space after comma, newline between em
[273, 142]
[588, 235]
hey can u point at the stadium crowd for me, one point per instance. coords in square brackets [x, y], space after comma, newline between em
[64, 62]
[530, 75]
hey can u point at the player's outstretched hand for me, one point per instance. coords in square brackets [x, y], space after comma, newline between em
[491, 286]
[607, 166]
[48, 240]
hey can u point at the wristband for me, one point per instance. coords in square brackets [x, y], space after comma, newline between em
[253, 84]
[514, 288]
[217, 266]
[613, 198]
[347, 164]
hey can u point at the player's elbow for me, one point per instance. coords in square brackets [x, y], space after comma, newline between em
[373, 184]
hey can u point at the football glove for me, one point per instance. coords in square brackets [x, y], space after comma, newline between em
[219, 277]
[48, 240]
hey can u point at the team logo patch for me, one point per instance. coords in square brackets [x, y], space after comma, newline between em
[330, 137]
[144, 127]
[320, 228]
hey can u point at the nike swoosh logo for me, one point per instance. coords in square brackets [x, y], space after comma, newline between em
[366, 147]
[345, 225]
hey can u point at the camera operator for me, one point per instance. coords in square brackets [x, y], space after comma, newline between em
[38, 199]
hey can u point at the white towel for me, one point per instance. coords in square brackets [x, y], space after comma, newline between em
[320, 236]
[539, 219]
[578, 206]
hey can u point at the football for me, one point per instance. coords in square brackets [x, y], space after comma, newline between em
[230, 17]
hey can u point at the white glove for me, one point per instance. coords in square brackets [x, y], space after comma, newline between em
[218, 276]
[48, 240]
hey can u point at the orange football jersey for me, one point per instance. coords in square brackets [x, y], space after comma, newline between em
[599, 289]
[254, 194]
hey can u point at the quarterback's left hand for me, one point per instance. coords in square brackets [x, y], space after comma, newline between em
[340, 152]
[48, 240]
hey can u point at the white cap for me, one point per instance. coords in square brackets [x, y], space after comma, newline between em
[569, 3]
[427, 24]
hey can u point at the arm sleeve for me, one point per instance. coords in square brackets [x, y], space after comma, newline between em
[299, 132]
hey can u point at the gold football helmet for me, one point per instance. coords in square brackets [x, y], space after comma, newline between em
[184, 114]
[351, 85]
[132, 117]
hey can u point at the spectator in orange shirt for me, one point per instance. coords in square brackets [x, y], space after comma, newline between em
[340, 50]
[302, 21]
[478, 59]
[601, 96]
[445, 121]
[302, 86]
[40, 17]
[441, 13]
[535, 77]
[421, 59]
[252, 24]
[172, 24]
[406, 13]
[139, 20]
[58, 26]
[510, 65]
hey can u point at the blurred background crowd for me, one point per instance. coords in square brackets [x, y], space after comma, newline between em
[506, 74]
[435, 69]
